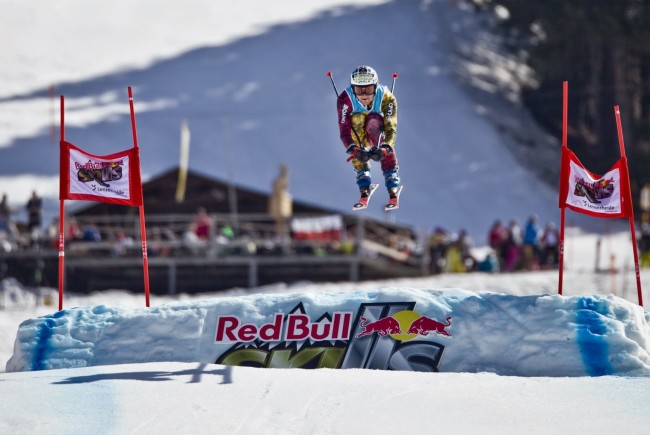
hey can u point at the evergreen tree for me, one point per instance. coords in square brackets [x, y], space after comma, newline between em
[602, 48]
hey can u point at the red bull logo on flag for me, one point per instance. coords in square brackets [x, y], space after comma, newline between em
[388, 336]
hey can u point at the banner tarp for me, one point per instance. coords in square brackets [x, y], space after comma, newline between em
[113, 179]
[595, 195]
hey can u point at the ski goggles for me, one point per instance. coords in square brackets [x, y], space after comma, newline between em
[364, 90]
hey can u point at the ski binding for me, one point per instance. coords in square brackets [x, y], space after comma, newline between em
[363, 202]
[393, 203]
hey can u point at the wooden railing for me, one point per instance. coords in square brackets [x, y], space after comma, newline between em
[254, 248]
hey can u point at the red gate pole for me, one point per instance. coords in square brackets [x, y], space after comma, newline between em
[61, 218]
[565, 116]
[143, 231]
[628, 199]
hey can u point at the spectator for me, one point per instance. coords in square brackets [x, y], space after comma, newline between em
[402, 242]
[34, 218]
[53, 233]
[34, 206]
[8, 232]
[490, 264]
[122, 244]
[466, 243]
[437, 246]
[224, 236]
[497, 239]
[227, 232]
[644, 244]
[531, 252]
[453, 260]
[158, 244]
[550, 241]
[203, 224]
[91, 234]
[5, 214]
[73, 232]
[191, 240]
[513, 247]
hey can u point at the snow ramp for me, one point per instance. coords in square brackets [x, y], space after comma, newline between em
[447, 330]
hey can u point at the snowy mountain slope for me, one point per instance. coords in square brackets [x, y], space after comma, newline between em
[494, 78]
[248, 101]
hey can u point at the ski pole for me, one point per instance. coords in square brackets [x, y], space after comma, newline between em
[336, 91]
[392, 88]
[329, 74]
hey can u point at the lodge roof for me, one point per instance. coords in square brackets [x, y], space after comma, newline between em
[210, 193]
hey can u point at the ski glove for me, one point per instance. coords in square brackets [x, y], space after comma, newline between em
[356, 152]
[387, 148]
[376, 154]
[363, 156]
[353, 149]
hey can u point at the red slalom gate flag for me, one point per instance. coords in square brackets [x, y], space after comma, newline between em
[596, 195]
[114, 178]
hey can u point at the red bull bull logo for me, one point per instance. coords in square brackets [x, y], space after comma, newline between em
[404, 325]
[425, 325]
[383, 327]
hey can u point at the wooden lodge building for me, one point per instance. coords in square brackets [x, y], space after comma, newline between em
[244, 244]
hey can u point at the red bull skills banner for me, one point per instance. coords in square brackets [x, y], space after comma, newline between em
[382, 335]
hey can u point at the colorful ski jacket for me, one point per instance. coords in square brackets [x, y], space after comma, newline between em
[349, 107]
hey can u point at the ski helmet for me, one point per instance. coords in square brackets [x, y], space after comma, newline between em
[364, 76]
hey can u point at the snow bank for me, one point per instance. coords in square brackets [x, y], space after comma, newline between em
[448, 330]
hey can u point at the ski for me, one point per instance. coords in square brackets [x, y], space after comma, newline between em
[393, 203]
[363, 202]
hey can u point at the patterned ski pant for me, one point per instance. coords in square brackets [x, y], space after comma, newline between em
[368, 128]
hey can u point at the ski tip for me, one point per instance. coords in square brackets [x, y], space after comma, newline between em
[329, 73]
[394, 75]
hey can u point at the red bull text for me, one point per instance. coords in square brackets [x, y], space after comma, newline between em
[295, 327]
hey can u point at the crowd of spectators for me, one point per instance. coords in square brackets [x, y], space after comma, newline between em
[512, 248]
[644, 240]
[529, 248]
[16, 236]
[449, 252]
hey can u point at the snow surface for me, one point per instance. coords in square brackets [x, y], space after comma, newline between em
[198, 397]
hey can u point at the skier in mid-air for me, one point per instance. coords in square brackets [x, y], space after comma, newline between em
[367, 115]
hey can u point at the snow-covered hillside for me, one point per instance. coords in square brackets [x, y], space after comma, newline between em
[253, 89]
